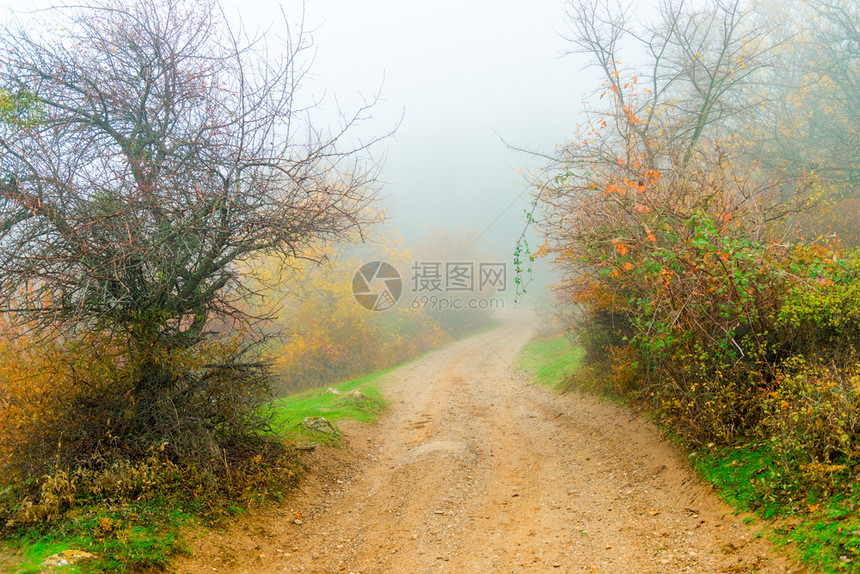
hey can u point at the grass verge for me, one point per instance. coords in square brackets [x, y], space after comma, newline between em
[132, 538]
[820, 527]
[550, 361]
[335, 403]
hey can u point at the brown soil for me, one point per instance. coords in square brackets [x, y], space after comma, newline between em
[476, 470]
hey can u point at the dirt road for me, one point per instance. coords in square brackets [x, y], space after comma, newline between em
[475, 470]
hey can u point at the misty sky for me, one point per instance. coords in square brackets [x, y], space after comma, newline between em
[457, 72]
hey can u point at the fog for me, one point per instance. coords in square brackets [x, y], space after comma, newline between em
[458, 86]
[457, 80]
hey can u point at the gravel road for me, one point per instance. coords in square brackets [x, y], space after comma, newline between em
[476, 470]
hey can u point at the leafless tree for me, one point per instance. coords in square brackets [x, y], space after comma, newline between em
[146, 150]
[693, 80]
[659, 148]
[149, 152]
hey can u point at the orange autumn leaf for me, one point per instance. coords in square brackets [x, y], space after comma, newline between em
[628, 266]
[622, 249]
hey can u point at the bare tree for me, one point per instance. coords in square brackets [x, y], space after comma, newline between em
[148, 148]
[658, 154]
[673, 96]
[698, 65]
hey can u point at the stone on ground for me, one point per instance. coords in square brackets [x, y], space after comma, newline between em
[319, 424]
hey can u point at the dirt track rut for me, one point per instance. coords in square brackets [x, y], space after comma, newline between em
[476, 470]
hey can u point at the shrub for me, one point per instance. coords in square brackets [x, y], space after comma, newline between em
[813, 412]
[80, 430]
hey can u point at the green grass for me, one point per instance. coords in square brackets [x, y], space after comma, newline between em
[290, 410]
[829, 537]
[819, 527]
[746, 477]
[131, 537]
[550, 361]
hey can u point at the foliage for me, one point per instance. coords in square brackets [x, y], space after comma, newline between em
[321, 335]
[813, 417]
[70, 435]
[19, 109]
[76, 471]
[809, 119]
[137, 537]
[811, 505]
[132, 514]
[69, 404]
[681, 242]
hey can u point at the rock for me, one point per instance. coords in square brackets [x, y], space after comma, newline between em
[67, 558]
[332, 391]
[453, 449]
[319, 424]
[358, 396]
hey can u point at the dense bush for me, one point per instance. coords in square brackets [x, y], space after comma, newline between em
[700, 248]
[696, 306]
[78, 427]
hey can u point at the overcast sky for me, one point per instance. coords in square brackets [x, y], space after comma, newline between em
[460, 73]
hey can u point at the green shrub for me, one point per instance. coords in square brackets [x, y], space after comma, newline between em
[813, 414]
